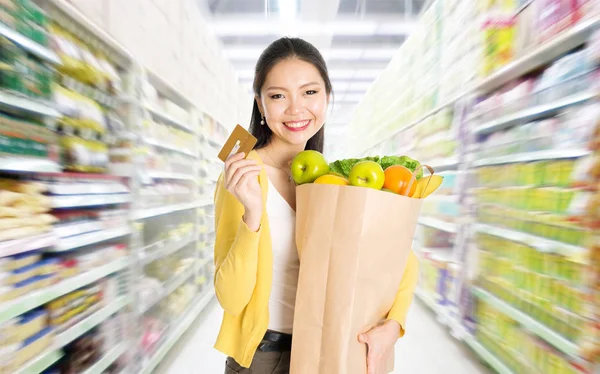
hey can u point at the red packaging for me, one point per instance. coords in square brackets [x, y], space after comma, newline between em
[554, 16]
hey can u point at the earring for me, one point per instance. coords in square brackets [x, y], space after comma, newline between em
[262, 121]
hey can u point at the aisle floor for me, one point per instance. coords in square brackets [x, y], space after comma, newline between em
[427, 348]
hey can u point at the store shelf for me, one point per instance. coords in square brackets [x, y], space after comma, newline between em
[41, 362]
[445, 164]
[438, 224]
[487, 356]
[453, 199]
[168, 118]
[109, 357]
[552, 154]
[23, 103]
[27, 164]
[170, 147]
[540, 56]
[90, 322]
[438, 254]
[536, 112]
[89, 91]
[73, 201]
[79, 188]
[529, 323]
[154, 174]
[205, 202]
[542, 244]
[168, 209]
[40, 297]
[422, 118]
[166, 249]
[29, 45]
[50, 356]
[427, 300]
[90, 238]
[14, 247]
[180, 328]
[169, 287]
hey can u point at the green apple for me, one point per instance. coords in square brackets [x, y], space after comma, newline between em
[307, 166]
[367, 174]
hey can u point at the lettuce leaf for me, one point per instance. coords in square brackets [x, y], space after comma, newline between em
[343, 167]
[410, 163]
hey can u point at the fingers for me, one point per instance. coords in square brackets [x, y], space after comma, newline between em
[241, 172]
[371, 363]
[236, 157]
[362, 338]
[233, 159]
[247, 177]
[232, 168]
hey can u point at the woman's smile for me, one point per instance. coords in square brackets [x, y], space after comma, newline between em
[297, 126]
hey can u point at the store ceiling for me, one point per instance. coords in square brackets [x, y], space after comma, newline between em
[357, 37]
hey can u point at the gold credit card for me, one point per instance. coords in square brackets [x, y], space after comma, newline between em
[240, 140]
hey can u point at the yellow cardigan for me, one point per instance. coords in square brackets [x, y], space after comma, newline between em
[243, 276]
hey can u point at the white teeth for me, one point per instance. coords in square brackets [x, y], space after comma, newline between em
[297, 124]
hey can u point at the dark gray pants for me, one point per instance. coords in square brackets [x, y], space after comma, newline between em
[263, 363]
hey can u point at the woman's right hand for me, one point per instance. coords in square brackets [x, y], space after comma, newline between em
[241, 180]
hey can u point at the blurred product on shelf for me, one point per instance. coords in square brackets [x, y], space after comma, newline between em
[214, 131]
[521, 351]
[167, 228]
[161, 135]
[25, 17]
[80, 62]
[22, 73]
[23, 209]
[164, 193]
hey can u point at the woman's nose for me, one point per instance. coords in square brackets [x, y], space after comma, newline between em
[295, 106]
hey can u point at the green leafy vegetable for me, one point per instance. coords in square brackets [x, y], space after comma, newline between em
[410, 163]
[343, 167]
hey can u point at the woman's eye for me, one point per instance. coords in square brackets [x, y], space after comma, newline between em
[277, 96]
[311, 92]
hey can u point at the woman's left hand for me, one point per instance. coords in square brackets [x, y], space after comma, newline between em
[380, 341]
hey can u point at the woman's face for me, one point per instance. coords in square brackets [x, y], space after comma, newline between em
[294, 101]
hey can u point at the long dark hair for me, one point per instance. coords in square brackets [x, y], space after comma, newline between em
[279, 50]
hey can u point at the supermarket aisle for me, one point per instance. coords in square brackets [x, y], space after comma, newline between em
[426, 349]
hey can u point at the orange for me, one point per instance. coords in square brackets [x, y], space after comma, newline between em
[397, 178]
[332, 179]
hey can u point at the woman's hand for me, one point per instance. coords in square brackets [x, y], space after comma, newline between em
[380, 341]
[241, 180]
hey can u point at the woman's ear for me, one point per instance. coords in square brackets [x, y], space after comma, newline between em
[259, 104]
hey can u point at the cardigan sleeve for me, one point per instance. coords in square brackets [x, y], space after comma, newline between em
[405, 293]
[235, 253]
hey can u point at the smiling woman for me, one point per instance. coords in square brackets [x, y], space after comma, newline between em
[291, 86]
[257, 264]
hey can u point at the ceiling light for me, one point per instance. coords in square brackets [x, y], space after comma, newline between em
[360, 86]
[341, 73]
[367, 73]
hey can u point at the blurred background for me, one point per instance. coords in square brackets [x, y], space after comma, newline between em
[106, 232]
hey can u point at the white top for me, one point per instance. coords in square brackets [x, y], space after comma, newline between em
[286, 264]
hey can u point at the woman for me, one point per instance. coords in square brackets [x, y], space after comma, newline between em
[255, 254]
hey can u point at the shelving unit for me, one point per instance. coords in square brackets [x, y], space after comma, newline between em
[536, 112]
[38, 298]
[146, 229]
[180, 327]
[530, 324]
[460, 123]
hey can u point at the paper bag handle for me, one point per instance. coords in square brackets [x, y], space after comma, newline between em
[413, 179]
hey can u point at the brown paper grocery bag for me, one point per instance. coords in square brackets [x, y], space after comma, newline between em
[353, 244]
